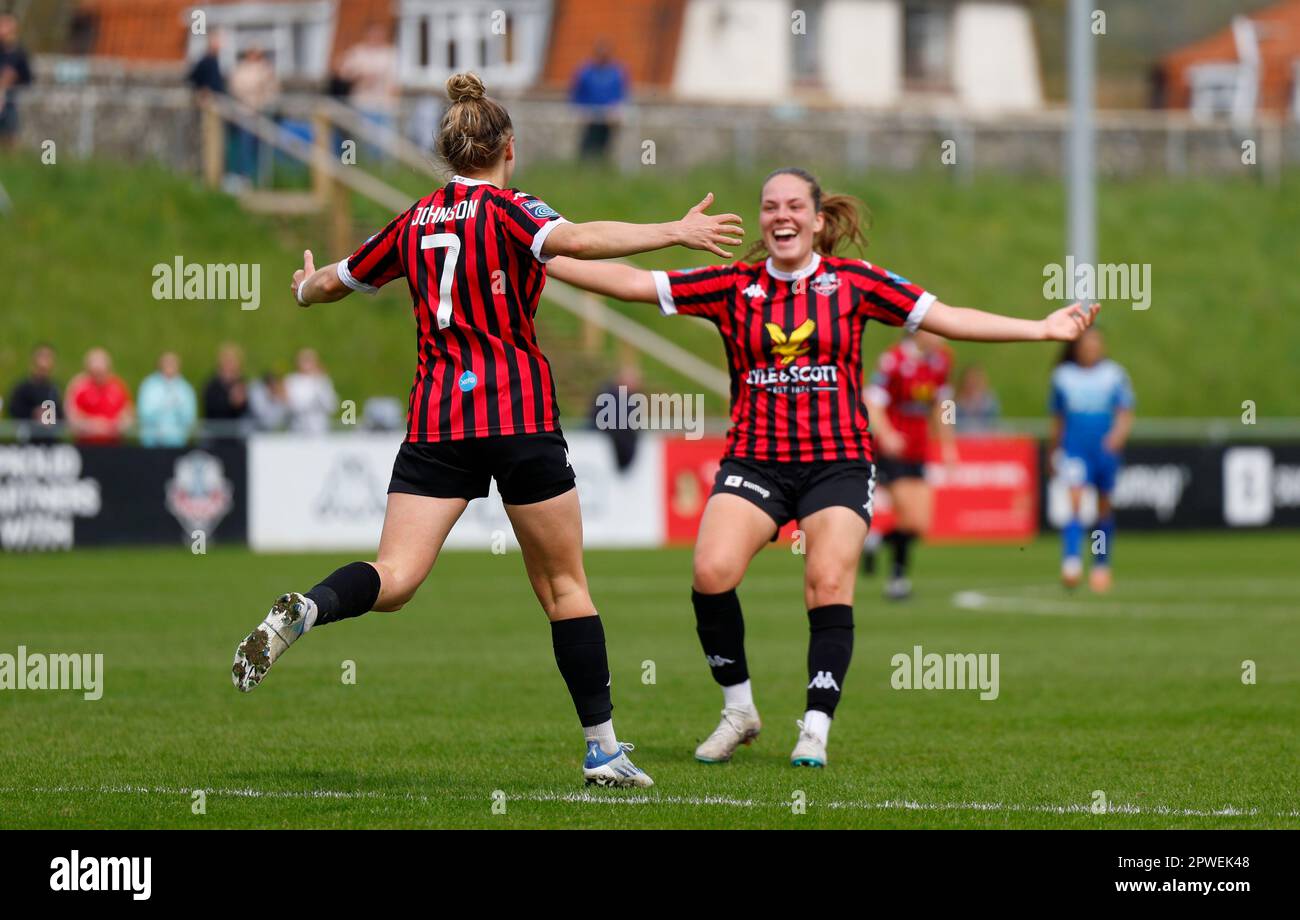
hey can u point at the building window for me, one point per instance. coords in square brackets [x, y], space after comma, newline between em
[927, 44]
[295, 36]
[503, 41]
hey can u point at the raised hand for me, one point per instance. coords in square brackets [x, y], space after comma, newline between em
[1068, 323]
[699, 230]
[302, 274]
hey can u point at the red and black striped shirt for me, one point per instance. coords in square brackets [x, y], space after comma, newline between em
[794, 348]
[471, 254]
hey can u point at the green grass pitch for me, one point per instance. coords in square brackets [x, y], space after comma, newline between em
[1138, 694]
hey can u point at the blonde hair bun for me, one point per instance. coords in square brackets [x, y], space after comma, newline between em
[465, 87]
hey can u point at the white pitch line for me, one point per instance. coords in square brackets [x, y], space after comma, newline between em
[1000, 600]
[614, 798]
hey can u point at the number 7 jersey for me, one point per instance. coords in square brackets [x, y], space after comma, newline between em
[471, 254]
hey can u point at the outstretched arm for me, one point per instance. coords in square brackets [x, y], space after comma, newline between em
[611, 239]
[612, 279]
[317, 285]
[1063, 325]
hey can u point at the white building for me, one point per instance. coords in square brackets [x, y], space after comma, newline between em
[972, 55]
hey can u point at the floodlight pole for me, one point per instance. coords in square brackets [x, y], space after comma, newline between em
[1081, 167]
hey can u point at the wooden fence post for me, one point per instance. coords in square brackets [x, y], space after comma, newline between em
[213, 144]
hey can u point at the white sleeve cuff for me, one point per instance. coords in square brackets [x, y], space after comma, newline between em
[877, 395]
[346, 277]
[664, 288]
[542, 233]
[917, 315]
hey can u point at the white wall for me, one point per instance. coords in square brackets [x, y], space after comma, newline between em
[862, 51]
[329, 493]
[734, 50]
[995, 61]
[740, 50]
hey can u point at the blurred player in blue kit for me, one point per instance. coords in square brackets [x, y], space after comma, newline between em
[1092, 415]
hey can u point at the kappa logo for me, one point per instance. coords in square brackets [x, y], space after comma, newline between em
[717, 661]
[754, 292]
[791, 346]
[826, 283]
[824, 681]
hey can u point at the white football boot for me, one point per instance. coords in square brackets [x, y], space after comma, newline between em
[809, 750]
[738, 726]
[898, 588]
[1071, 572]
[601, 769]
[281, 629]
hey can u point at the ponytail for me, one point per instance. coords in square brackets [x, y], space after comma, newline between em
[844, 218]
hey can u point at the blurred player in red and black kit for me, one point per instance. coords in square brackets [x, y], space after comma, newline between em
[799, 446]
[905, 402]
[482, 406]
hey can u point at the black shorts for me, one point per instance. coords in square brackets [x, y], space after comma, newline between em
[528, 468]
[792, 491]
[891, 469]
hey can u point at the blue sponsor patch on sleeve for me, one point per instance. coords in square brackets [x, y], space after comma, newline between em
[540, 209]
[896, 278]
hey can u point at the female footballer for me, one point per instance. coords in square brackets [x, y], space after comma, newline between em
[482, 406]
[1092, 413]
[798, 446]
[905, 404]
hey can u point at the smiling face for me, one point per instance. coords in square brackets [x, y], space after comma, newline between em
[789, 221]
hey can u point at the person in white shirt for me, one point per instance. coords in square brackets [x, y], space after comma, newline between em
[310, 395]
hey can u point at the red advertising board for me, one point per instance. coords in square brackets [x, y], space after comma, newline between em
[991, 493]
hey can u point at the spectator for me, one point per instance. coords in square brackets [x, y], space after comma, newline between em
[15, 72]
[310, 395]
[167, 405]
[98, 402]
[977, 405]
[618, 392]
[253, 84]
[225, 395]
[206, 76]
[267, 402]
[370, 69]
[35, 399]
[598, 90]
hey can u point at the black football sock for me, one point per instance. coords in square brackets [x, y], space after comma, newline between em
[347, 592]
[721, 629]
[901, 543]
[580, 653]
[830, 648]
